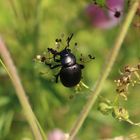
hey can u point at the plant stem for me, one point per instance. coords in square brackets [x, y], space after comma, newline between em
[105, 71]
[11, 70]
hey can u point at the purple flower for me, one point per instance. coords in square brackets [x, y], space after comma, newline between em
[105, 17]
[56, 135]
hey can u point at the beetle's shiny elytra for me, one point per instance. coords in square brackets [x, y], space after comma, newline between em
[70, 76]
[70, 73]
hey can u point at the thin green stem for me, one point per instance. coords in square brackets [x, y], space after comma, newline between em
[7, 63]
[136, 124]
[106, 70]
[115, 102]
[5, 69]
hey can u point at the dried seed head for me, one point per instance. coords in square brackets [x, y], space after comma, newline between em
[129, 76]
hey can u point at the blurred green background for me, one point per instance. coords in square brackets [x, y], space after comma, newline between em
[29, 27]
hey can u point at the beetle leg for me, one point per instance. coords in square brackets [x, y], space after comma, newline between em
[83, 60]
[56, 76]
[91, 57]
[55, 53]
[56, 60]
[53, 67]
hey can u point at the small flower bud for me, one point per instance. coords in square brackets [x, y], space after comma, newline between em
[104, 108]
[120, 113]
[38, 57]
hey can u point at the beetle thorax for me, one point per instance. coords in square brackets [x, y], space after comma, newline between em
[68, 60]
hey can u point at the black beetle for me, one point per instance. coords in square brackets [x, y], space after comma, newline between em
[71, 72]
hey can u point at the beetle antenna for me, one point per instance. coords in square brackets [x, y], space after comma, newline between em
[84, 60]
[68, 40]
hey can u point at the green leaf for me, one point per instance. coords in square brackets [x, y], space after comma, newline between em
[5, 123]
[4, 101]
[100, 2]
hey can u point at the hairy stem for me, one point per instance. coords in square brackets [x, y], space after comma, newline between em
[106, 70]
[11, 70]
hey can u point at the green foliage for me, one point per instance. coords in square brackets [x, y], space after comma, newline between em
[5, 123]
[28, 28]
[100, 2]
